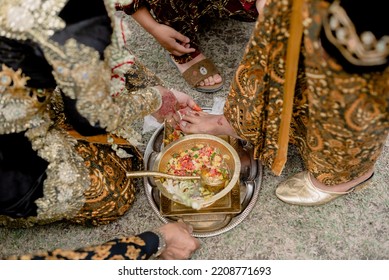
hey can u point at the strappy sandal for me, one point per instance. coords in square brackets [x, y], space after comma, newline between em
[198, 72]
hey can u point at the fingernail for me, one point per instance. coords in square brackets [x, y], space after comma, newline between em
[197, 108]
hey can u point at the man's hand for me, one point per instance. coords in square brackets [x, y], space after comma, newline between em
[180, 244]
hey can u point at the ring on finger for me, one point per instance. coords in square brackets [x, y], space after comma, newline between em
[179, 114]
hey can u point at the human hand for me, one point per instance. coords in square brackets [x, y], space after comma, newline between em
[185, 101]
[180, 244]
[172, 101]
[170, 39]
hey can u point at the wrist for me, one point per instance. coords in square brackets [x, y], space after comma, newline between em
[161, 243]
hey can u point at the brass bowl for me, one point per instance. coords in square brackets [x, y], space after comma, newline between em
[187, 142]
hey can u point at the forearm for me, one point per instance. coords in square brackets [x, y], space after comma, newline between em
[259, 4]
[145, 19]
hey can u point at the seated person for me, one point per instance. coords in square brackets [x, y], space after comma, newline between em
[70, 94]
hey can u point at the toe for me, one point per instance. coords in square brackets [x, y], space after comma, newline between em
[212, 80]
[217, 78]
[206, 82]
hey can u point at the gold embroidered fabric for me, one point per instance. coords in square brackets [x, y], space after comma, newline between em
[67, 175]
[363, 49]
[340, 121]
[111, 193]
[104, 96]
[77, 68]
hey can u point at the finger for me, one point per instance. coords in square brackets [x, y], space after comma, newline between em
[176, 119]
[184, 126]
[190, 228]
[186, 226]
[191, 104]
[180, 50]
[197, 108]
[181, 38]
[183, 224]
[175, 254]
[179, 114]
[197, 244]
[193, 117]
[190, 128]
[180, 53]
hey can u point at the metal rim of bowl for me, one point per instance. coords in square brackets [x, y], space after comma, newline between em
[254, 186]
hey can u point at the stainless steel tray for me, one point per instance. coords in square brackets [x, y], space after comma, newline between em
[209, 224]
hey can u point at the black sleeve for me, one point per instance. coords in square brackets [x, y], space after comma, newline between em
[22, 173]
[138, 247]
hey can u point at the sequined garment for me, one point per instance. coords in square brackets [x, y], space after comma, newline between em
[85, 182]
[138, 247]
[188, 17]
[340, 120]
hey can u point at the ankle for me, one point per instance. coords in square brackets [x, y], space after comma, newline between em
[341, 188]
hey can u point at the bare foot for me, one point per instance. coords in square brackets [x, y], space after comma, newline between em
[203, 122]
[210, 81]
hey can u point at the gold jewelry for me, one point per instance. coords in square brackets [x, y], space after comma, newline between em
[363, 50]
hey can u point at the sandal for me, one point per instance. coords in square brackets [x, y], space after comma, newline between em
[198, 72]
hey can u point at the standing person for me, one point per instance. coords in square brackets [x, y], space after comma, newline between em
[69, 95]
[329, 95]
[176, 24]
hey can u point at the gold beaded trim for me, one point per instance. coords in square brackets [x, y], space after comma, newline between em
[363, 50]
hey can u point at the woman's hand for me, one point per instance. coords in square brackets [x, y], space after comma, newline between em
[185, 101]
[170, 39]
[172, 101]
